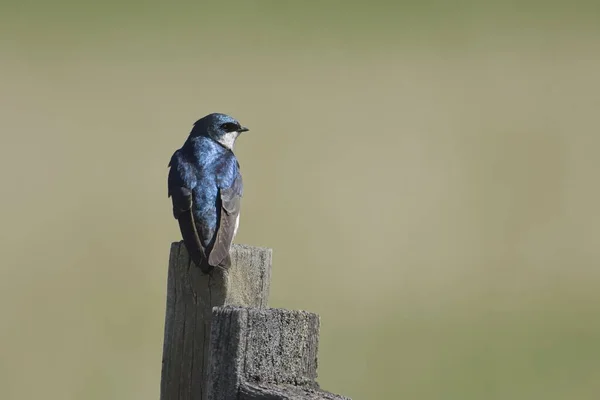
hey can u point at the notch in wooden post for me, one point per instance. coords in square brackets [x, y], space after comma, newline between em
[191, 296]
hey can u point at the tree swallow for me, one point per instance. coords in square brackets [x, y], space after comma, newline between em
[205, 185]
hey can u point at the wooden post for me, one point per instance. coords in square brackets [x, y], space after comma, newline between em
[264, 354]
[191, 296]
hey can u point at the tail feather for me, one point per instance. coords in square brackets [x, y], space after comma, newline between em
[192, 242]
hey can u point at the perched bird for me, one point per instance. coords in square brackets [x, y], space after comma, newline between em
[205, 186]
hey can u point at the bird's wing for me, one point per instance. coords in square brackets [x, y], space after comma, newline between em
[229, 201]
[181, 181]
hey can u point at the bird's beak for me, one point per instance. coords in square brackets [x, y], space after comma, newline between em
[243, 129]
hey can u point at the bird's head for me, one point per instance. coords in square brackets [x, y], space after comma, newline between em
[220, 127]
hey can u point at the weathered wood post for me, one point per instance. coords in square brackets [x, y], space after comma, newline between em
[222, 343]
[264, 354]
[191, 296]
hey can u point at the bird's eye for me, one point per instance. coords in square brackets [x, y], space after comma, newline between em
[229, 127]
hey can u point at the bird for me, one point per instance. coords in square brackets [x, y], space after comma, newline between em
[205, 186]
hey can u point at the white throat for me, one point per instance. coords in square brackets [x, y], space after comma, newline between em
[228, 140]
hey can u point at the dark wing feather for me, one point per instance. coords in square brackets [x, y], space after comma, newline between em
[229, 211]
[182, 211]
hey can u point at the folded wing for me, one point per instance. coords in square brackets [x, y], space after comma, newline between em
[181, 182]
[228, 205]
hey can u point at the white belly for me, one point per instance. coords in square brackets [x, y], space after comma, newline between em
[237, 225]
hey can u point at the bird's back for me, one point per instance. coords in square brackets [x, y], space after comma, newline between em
[204, 168]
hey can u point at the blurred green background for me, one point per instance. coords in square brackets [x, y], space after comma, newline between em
[425, 171]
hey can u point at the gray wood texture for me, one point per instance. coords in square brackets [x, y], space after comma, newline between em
[191, 296]
[268, 354]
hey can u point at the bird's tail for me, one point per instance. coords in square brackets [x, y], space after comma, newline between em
[192, 242]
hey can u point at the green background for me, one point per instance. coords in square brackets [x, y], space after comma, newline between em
[425, 171]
